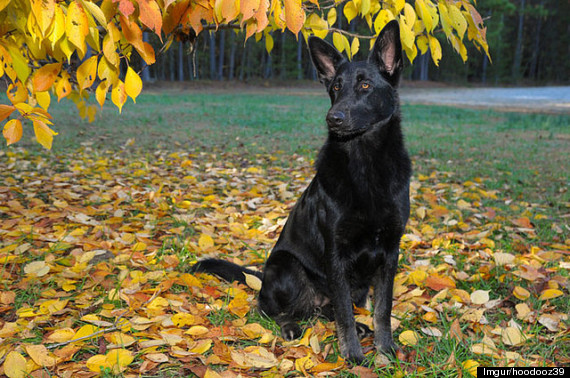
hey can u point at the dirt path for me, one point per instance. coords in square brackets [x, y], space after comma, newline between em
[534, 99]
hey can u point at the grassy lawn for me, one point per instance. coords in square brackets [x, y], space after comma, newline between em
[484, 269]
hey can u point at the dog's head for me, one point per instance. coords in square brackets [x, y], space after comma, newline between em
[363, 94]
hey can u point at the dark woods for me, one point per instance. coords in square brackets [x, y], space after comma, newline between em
[528, 41]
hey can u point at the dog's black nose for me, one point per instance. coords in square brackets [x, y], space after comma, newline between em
[335, 118]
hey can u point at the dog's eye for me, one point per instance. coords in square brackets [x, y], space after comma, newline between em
[365, 85]
[336, 87]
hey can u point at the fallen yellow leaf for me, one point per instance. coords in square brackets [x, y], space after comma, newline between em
[40, 355]
[550, 294]
[512, 336]
[470, 366]
[15, 365]
[521, 293]
[409, 337]
[480, 297]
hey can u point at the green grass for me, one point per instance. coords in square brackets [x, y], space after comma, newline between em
[524, 156]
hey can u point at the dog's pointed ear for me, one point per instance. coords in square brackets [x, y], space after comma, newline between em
[326, 59]
[387, 52]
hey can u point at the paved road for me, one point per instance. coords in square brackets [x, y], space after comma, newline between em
[535, 99]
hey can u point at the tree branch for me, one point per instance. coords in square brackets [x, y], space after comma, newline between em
[352, 34]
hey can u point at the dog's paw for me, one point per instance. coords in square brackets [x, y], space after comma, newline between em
[356, 358]
[388, 348]
[290, 331]
[363, 331]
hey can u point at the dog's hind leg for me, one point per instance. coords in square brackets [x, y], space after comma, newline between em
[286, 295]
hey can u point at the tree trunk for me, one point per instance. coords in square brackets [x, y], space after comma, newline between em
[299, 56]
[282, 63]
[535, 52]
[180, 61]
[212, 56]
[243, 64]
[268, 74]
[519, 45]
[171, 64]
[221, 56]
[232, 55]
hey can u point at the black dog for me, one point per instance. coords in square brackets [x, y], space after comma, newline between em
[343, 234]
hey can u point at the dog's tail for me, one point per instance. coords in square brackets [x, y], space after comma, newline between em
[224, 269]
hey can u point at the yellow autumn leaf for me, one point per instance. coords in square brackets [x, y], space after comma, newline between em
[197, 331]
[96, 12]
[5, 111]
[44, 78]
[118, 95]
[503, 258]
[294, 15]
[435, 49]
[15, 365]
[211, 374]
[239, 306]
[408, 37]
[63, 87]
[417, 277]
[119, 359]
[4, 3]
[252, 281]
[480, 297]
[205, 242]
[37, 268]
[101, 93]
[86, 332]
[354, 46]
[229, 9]
[409, 337]
[512, 336]
[341, 43]
[550, 294]
[17, 93]
[44, 135]
[97, 362]
[201, 346]
[350, 11]
[12, 131]
[40, 355]
[183, 319]
[53, 305]
[87, 73]
[77, 26]
[61, 335]
[269, 43]
[331, 16]
[318, 26]
[422, 43]
[253, 330]
[470, 366]
[133, 84]
[121, 339]
[457, 20]
[521, 293]
[43, 99]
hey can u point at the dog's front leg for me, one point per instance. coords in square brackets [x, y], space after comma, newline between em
[383, 289]
[342, 305]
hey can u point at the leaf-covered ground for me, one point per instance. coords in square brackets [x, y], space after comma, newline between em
[95, 249]
[96, 245]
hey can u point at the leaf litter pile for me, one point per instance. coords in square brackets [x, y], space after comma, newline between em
[95, 250]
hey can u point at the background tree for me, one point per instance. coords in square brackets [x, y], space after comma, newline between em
[69, 48]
